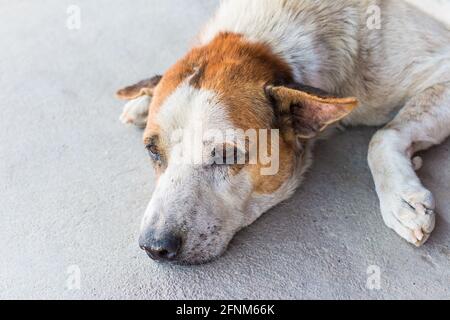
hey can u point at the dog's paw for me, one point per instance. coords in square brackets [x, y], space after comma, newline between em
[136, 112]
[410, 214]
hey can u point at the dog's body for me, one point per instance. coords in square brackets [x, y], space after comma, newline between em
[242, 75]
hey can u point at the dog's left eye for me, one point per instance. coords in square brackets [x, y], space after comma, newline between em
[153, 152]
[218, 157]
[228, 155]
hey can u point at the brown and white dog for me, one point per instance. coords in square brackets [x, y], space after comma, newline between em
[254, 67]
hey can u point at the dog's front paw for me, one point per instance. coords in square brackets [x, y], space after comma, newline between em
[136, 112]
[410, 213]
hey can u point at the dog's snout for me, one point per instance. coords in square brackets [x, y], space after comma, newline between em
[164, 248]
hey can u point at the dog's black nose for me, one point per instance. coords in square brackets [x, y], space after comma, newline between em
[166, 248]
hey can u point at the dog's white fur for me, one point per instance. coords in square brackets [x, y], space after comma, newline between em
[403, 65]
[185, 186]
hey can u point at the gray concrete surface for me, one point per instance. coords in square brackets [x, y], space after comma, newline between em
[74, 182]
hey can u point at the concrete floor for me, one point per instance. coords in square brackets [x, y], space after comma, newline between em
[74, 182]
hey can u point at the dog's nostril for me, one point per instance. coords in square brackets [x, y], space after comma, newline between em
[160, 254]
[165, 249]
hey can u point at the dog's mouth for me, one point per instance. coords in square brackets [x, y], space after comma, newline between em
[189, 260]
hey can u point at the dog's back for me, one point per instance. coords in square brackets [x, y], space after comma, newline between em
[341, 48]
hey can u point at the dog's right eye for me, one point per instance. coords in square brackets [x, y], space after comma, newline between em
[153, 152]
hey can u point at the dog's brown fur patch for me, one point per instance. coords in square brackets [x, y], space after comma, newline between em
[144, 87]
[238, 72]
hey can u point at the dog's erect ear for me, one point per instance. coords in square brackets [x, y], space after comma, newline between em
[142, 88]
[308, 111]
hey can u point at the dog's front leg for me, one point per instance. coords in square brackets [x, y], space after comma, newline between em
[136, 111]
[406, 205]
[139, 97]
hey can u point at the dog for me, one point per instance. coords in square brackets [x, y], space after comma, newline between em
[299, 68]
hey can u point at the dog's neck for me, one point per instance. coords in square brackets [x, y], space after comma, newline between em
[320, 54]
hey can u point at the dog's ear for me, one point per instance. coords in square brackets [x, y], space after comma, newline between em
[142, 88]
[305, 111]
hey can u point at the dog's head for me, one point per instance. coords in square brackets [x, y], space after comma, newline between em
[229, 136]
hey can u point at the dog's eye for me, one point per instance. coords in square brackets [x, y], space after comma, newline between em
[228, 155]
[217, 158]
[153, 152]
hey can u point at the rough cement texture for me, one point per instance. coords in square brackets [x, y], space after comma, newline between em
[74, 182]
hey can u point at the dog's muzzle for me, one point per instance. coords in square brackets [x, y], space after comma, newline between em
[165, 247]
